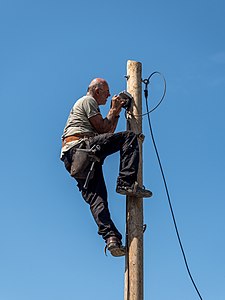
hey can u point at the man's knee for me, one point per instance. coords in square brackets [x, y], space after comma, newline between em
[131, 141]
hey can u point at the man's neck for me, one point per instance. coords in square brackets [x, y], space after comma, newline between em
[91, 95]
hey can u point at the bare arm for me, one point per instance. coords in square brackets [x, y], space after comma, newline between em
[109, 123]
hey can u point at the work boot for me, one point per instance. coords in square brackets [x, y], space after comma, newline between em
[115, 246]
[133, 190]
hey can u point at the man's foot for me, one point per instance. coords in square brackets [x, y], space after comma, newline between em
[115, 246]
[133, 190]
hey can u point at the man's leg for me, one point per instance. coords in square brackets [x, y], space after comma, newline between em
[96, 196]
[127, 143]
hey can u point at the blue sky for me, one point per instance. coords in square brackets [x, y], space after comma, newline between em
[49, 52]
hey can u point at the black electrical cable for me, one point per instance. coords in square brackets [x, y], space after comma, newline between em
[146, 82]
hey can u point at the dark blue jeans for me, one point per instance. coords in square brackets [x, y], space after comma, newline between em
[96, 193]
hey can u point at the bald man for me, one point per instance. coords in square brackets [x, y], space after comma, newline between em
[87, 129]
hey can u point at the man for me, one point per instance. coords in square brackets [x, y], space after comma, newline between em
[86, 129]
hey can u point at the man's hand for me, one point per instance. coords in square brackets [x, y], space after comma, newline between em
[117, 104]
[109, 123]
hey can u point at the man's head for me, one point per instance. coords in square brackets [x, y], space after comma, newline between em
[99, 89]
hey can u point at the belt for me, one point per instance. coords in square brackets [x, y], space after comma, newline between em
[75, 137]
[70, 139]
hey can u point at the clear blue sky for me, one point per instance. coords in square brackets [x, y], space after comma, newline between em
[50, 50]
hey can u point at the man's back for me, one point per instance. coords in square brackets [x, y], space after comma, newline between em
[78, 120]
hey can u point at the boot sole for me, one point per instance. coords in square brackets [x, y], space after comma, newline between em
[117, 252]
[138, 195]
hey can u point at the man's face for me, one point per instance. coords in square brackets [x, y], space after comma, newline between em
[103, 94]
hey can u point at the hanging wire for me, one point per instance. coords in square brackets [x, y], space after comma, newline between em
[146, 82]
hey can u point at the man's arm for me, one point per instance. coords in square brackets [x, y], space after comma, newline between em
[109, 123]
[105, 125]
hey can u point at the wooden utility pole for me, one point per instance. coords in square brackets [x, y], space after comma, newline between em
[134, 206]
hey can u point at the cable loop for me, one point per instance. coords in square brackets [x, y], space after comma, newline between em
[146, 82]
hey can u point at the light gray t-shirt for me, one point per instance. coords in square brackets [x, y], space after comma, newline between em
[78, 120]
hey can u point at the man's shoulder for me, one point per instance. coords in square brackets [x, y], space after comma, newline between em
[85, 102]
[88, 102]
[88, 105]
[86, 99]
